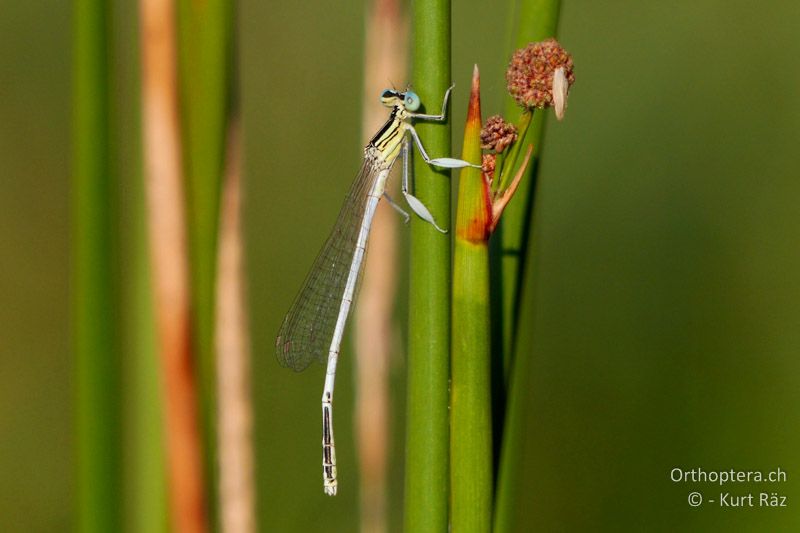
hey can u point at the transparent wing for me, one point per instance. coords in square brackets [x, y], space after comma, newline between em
[306, 332]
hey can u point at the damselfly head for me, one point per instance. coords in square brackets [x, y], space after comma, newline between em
[391, 98]
[409, 99]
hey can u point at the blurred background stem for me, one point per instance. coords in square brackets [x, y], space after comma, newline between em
[169, 256]
[205, 62]
[94, 291]
[235, 422]
[385, 55]
[537, 20]
[426, 482]
[145, 484]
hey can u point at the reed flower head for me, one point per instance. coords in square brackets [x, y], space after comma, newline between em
[497, 134]
[488, 165]
[535, 69]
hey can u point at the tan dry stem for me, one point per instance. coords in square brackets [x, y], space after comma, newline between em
[385, 60]
[235, 422]
[168, 251]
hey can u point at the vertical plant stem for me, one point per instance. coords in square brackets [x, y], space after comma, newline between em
[426, 483]
[537, 21]
[205, 59]
[384, 59]
[236, 483]
[145, 468]
[471, 482]
[94, 290]
[168, 251]
[145, 482]
[148, 512]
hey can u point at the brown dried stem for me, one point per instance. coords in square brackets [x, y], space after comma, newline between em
[387, 36]
[168, 249]
[235, 413]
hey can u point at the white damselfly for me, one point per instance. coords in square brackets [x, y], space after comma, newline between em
[315, 323]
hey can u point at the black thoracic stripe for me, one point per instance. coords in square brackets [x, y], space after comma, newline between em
[384, 129]
[385, 141]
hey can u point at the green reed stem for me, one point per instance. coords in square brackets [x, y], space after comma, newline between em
[94, 281]
[471, 482]
[427, 430]
[146, 473]
[205, 56]
[537, 21]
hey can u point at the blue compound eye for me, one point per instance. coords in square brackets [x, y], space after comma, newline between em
[411, 101]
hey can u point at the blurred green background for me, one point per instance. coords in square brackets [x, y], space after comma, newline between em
[664, 301]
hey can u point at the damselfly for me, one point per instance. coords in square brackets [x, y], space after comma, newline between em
[315, 323]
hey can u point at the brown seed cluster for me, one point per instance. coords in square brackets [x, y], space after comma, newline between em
[530, 73]
[488, 165]
[497, 134]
